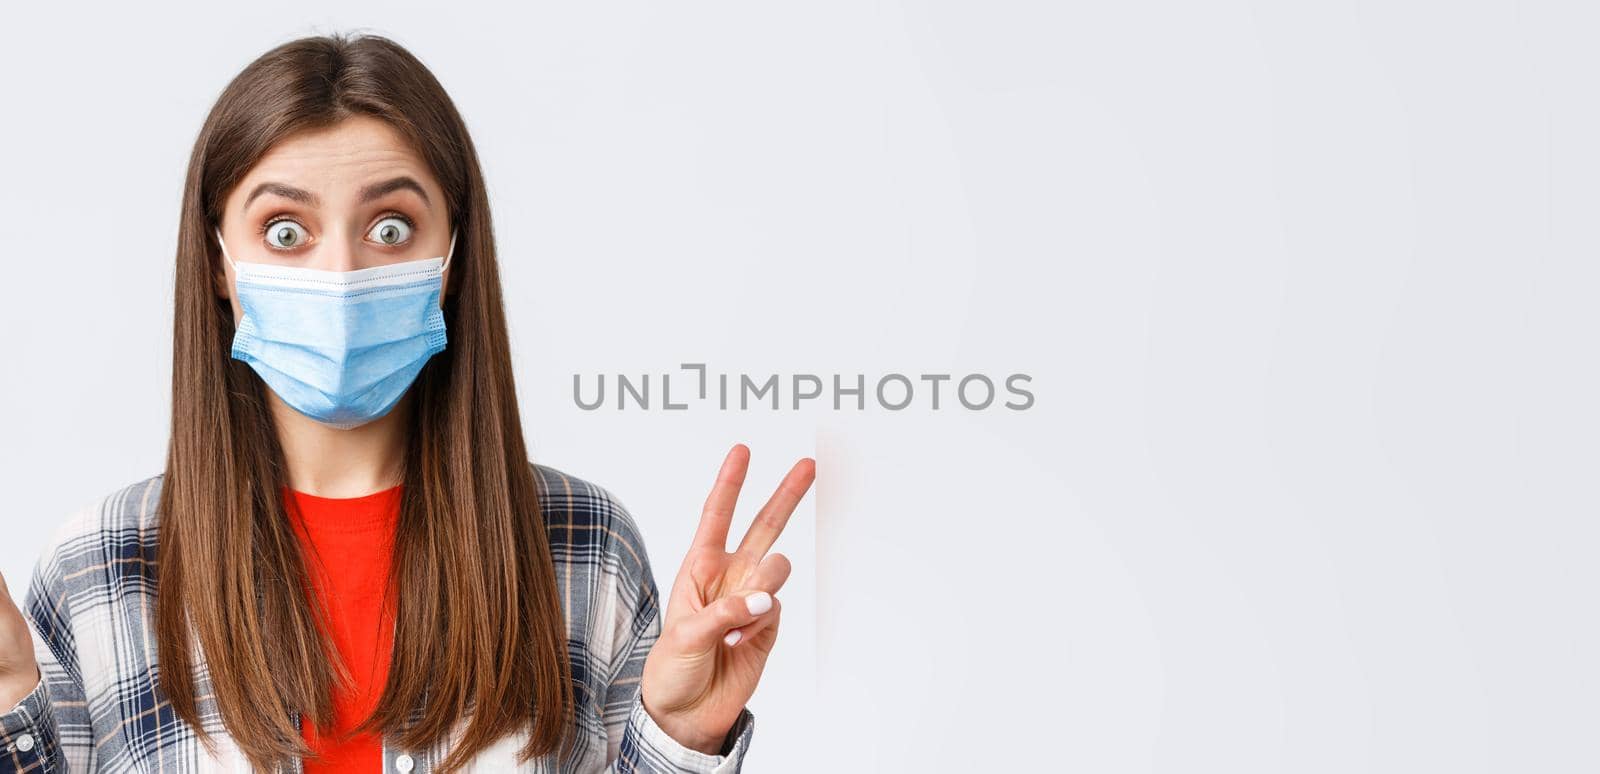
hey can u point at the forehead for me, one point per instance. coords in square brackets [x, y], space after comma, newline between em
[337, 160]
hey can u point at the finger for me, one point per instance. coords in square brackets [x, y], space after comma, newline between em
[718, 511]
[747, 633]
[704, 630]
[774, 515]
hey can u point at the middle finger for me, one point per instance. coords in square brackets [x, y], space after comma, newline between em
[774, 515]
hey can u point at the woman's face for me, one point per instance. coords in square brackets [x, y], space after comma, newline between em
[347, 197]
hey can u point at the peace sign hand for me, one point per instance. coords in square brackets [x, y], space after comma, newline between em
[722, 616]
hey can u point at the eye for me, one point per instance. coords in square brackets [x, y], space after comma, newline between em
[392, 230]
[285, 234]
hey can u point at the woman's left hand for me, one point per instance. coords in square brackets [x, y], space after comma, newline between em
[695, 683]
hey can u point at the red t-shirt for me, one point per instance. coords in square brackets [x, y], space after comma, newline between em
[347, 544]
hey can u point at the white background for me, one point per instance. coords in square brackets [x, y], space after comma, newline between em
[1306, 291]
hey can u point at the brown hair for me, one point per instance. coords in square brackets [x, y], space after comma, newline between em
[480, 629]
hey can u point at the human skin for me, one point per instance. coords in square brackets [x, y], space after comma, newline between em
[695, 683]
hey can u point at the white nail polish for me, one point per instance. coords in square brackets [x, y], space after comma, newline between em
[758, 603]
[733, 637]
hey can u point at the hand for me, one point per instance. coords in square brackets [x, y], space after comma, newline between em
[695, 683]
[19, 673]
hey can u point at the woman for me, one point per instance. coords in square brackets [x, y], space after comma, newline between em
[359, 568]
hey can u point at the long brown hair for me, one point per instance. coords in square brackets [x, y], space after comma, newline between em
[480, 630]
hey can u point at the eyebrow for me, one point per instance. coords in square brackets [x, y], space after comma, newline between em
[367, 193]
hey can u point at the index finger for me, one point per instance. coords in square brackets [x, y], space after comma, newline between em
[774, 515]
[718, 511]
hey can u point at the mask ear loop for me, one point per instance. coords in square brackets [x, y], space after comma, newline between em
[224, 247]
[451, 254]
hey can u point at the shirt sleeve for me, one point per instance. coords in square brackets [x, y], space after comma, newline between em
[48, 731]
[637, 743]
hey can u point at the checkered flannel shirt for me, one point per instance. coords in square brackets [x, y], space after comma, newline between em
[98, 706]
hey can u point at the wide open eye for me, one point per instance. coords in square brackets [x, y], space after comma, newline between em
[285, 234]
[392, 230]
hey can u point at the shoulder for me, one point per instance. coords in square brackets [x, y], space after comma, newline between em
[94, 556]
[602, 568]
[594, 539]
[104, 528]
[583, 518]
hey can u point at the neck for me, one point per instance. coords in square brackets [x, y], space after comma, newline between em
[329, 462]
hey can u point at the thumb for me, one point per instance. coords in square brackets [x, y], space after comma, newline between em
[705, 629]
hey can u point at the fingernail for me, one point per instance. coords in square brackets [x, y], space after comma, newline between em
[733, 637]
[759, 602]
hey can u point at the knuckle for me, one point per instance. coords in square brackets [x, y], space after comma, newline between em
[734, 607]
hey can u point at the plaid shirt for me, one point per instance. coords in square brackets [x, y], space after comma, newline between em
[98, 705]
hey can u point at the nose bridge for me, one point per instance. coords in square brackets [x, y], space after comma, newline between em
[341, 251]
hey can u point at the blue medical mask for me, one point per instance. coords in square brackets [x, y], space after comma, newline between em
[341, 347]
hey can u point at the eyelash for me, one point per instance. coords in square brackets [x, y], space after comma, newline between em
[276, 219]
